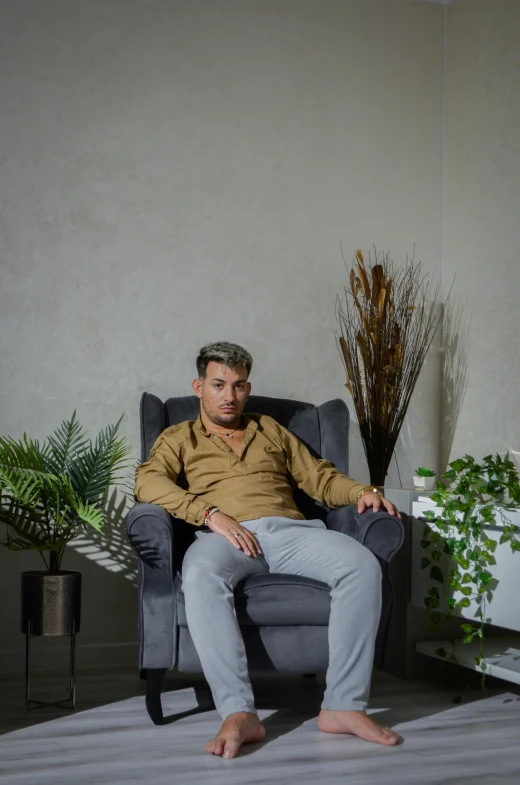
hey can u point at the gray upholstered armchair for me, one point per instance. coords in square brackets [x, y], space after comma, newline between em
[283, 618]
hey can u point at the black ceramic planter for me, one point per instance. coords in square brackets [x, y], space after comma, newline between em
[51, 604]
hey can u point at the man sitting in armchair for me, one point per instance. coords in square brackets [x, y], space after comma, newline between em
[241, 471]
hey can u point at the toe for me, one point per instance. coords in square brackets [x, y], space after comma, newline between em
[230, 749]
[215, 746]
[391, 737]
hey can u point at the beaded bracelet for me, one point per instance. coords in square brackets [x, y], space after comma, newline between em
[208, 513]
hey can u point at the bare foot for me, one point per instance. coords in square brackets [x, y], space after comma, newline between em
[237, 729]
[359, 724]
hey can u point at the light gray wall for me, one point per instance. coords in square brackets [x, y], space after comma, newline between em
[179, 171]
[481, 214]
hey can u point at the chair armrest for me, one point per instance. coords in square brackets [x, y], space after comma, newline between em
[381, 532]
[150, 531]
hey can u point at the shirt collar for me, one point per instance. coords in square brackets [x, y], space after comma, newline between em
[248, 424]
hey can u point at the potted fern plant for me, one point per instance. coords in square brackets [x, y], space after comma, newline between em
[49, 493]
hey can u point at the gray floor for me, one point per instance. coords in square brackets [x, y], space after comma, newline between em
[109, 738]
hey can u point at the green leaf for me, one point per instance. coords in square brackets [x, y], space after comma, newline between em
[47, 491]
[24, 524]
[463, 603]
[457, 466]
[23, 470]
[467, 638]
[466, 590]
[451, 603]
[424, 563]
[485, 577]
[441, 652]
[436, 555]
[466, 628]
[67, 444]
[436, 574]
[515, 545]
[466, 578]
[91, 514]
[425, 543]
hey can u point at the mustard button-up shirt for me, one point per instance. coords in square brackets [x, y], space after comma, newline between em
[190, 469]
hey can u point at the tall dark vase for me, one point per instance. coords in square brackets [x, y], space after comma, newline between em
[378, 451]
[51, 605]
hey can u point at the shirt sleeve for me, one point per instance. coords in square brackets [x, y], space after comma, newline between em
[156, 483]
[317, 477]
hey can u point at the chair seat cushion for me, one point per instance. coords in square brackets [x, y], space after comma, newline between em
[275, 600]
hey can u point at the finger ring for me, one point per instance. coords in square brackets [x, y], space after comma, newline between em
[237, 535]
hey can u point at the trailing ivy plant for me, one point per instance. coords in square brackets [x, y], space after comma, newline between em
[459, 551]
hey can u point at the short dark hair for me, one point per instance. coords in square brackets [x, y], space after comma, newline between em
[229, 354]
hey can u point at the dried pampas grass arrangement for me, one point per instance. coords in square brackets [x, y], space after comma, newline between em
[388, 317]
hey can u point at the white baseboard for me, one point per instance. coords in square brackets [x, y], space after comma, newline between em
[53, 654]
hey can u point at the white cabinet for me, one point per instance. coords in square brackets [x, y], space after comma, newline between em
[502, 655]
[504, 610]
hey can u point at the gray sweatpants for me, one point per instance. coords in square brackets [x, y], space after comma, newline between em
[212, 568]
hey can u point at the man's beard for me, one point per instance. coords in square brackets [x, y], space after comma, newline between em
[222, 419]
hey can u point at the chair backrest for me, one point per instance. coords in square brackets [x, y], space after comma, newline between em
[323, 429]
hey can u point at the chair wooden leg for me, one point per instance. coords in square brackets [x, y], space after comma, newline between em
[154, 678]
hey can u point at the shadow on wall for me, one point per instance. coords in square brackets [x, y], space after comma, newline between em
[419, 439]
[111, 549]
[458, 356]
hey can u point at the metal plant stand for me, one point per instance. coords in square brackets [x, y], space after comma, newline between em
[66, 703]
[51, 606]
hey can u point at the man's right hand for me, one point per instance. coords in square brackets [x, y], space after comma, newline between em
[220, 523]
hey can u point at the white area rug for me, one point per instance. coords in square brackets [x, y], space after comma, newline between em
[115, 744]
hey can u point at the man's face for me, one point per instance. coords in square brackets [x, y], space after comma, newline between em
[223, 394]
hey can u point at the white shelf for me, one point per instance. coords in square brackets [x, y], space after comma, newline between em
[502, 655]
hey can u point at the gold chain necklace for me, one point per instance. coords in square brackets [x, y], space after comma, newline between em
[227, 435]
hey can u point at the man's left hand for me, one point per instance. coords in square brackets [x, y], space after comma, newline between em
[376, 501]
